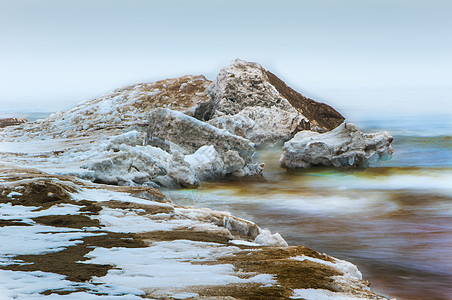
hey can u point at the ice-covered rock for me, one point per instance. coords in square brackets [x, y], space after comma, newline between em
[267, 238]
[343, 146]
[182, 131]
[114, 111]
[210, 151]
[251, 102]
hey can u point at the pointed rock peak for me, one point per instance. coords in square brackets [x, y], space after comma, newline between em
[244, 85]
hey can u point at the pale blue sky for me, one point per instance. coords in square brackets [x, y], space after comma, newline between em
[56, 53]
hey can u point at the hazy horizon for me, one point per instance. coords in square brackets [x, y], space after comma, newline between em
[56, 54]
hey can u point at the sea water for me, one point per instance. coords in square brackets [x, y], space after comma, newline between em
[393, 220]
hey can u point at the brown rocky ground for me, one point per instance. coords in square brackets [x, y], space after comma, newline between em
[42, 191]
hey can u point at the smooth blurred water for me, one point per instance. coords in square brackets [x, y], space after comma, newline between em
[393, 220]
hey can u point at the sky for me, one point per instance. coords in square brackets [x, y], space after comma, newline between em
[55, 53]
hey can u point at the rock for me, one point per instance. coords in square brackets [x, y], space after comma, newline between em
[251, 102]
[134, 163]
[119, 109]
[344, 146]
[266, 238]
[211, 152]
[182, 131]
[12, 121]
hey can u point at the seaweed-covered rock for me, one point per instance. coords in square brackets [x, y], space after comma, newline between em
[343, 146]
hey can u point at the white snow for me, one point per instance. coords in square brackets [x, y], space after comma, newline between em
[166, 266]
[36, 239]
[12, 194]
[119, 220]
[319, 294]
[30, 285]
[170, 265]
[244, 243]
[266, 238]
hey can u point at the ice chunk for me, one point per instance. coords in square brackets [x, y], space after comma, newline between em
[343, 146]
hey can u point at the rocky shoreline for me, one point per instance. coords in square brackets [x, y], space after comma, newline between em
[94, 172]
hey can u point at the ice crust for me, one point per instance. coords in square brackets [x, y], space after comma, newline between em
[343, 146]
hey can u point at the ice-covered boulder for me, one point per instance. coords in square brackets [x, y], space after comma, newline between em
[211, 152]
[343, 146]
[114, 111]
[251, 102]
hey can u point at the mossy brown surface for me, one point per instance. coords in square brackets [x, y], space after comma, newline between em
[251, 291]
[4, 223]
[290, 273]
[43, 192]
[175, 93]
[70, 221]
[187, 234]
[67, 261]
[148, 209]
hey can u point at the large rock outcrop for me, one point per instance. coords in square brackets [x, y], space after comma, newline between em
[250, 101]
[124, 107]
[182, 131]
[344, 146]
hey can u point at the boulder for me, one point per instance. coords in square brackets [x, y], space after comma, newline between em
[252, 102]
[344, 146]
[209, 151]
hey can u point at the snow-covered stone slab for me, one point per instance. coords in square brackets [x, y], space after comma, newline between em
[344, 146]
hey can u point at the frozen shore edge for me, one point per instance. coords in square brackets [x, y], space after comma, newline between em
[172, 133]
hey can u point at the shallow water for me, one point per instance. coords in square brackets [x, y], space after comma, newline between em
[393, 220]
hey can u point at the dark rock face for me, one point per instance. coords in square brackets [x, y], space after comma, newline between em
[321, 114]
